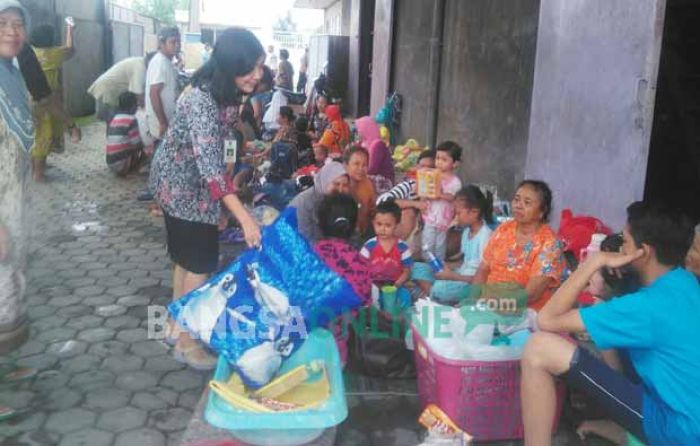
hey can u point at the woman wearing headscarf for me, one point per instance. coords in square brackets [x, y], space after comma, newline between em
[330, 179]
[16, 139]
[381, 165]
[337, 134]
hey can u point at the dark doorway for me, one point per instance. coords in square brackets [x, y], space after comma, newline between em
[673, 172]
[366, 45]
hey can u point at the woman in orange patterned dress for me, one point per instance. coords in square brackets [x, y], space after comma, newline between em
[525, 251]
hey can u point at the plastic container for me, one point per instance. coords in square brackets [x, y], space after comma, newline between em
[482, 398]
[389, 299]
[434, 262]
[285, 429]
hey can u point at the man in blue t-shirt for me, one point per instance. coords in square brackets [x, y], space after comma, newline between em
[656, 327]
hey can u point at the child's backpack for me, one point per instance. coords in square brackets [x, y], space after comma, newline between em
[575, 232]
[283, 160]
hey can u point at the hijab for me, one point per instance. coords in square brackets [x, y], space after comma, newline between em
[333, 113]
[368, 131]
[14, 99]
[307, 201]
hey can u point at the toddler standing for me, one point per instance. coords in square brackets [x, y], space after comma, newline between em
[438, 212]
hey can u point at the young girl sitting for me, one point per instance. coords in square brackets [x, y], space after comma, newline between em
[389, 256]
[337, 217]
[474, 211]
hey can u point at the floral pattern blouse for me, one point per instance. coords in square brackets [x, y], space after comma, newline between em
[510, 262]
[188, 174]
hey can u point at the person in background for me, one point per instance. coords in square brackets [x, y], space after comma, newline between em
[337, 135]
[361, 187]
[525, 251]
[49, 127]
[285, 72]
[381, 164]
[304, 141]
[262, 96]
[162, 83]
[271, 58]
[474, 211]
[189, 177]
[330, 179]
[318, 121]
[439, 212]
[124, 145]
[287, 131]
[126, 75]
[655, 326]
[206, 53]
[303, 67]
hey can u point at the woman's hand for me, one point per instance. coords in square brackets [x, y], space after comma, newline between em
[4, 244]
[251, 231]
[445, 274]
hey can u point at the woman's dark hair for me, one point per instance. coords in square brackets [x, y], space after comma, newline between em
[287, 113]
[545, 194]
[628, 281]
[389, 207]
[353, 150]
[267, 78]
[128, 103]
[235, 54]
[668, 231]
[284, 54]
[474, 198]
[452, 148]
[302, 124]
[337, 216]
[43, 36]
[426, 154]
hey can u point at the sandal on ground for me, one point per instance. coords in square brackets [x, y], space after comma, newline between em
[18, 374]
[6, 413]
[196, 357]
[76, 135]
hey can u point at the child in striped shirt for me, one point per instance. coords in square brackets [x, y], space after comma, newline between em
[124, 146]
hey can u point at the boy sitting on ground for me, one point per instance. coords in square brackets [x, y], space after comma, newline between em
[654, 326]
[124, 146]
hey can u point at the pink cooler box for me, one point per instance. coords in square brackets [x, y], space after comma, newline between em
[482, 398]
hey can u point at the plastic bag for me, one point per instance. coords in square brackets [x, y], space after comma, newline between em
[467, 333]
[258, 311]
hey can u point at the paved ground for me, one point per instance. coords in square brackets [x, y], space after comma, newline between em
[98, 261]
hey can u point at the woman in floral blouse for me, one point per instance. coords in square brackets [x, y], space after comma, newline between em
[525, 251]
[188, 174]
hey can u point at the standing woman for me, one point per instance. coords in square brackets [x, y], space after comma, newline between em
[16, 139]
[49, 126]
[188, 175]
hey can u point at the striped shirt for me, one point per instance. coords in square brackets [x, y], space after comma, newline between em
[405, 190]
[123, 142]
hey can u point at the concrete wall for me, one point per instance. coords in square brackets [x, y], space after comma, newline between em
[411, 50]
[488, 65]
[595, 76]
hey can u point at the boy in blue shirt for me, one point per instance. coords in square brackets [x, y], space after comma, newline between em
[655, 326]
